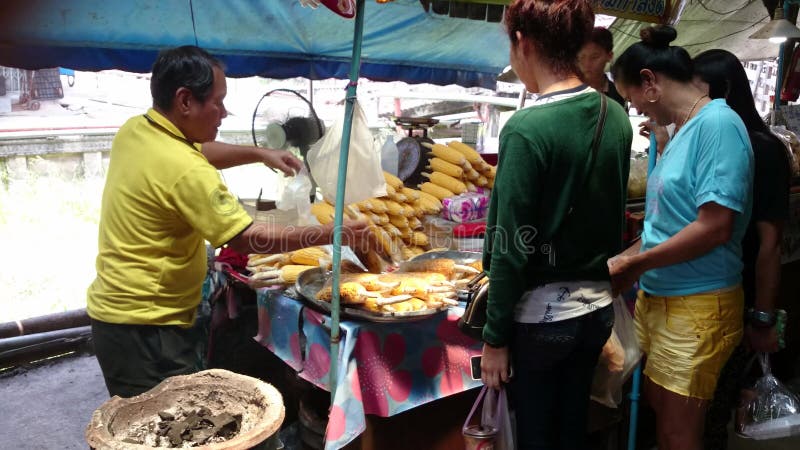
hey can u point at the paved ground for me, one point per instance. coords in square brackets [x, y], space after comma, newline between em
[48, 407]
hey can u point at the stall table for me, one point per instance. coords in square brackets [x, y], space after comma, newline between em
[386, 368]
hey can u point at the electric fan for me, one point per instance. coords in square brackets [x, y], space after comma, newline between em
[288, 121]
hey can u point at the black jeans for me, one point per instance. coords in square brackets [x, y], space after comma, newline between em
[135, 358]
[553, 369]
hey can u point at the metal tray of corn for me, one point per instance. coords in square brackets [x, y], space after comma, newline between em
[460, 257]
[311, 282]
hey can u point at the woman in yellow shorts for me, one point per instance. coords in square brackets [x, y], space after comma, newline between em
[688, 262]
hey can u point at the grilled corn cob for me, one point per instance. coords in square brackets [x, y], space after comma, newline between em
[446, 181]
[323, 211]
[394, 208]
[392, 180]
[411, 194]
[440, 165]
[472, 156]
[398, 221]
[437, 191]
[419, 239]
[448, 154]
[287, 274]
[311, 256]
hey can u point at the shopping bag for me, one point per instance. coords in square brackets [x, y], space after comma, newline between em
[620, 355]
[495, 430]
[769, 410]
[296, 195]
[364, 174]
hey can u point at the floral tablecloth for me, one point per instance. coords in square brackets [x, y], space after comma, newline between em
[385, 369]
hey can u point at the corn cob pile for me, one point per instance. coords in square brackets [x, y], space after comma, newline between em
[394, 292]
[395, 219]
[456, 168]
[284, 268]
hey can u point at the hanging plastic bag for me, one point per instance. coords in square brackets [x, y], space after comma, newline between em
[297, 196]
[364, 175]
[769, 409]
[495, 430]
[619, 357]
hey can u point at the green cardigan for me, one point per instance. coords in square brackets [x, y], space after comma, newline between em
[531, 240]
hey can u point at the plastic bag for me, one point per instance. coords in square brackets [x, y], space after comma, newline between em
[792, 144]
[769, 409]
[637, 179]
[619, 357]
[296, 195]
[496, 430]
[364, 175]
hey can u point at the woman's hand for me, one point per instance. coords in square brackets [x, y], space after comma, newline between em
[624, 271]
[662, 135]
[494, 366]
[282, 160]
[763, 340]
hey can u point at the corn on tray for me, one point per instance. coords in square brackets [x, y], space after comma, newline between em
[311, 281]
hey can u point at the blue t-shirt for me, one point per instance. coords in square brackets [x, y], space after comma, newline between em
[709, 160]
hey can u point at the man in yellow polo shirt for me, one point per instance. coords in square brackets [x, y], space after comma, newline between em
[162, 200]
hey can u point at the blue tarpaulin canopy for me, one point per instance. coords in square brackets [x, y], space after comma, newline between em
[269, 38]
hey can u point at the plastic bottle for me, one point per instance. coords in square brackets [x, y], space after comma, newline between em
[389, 156]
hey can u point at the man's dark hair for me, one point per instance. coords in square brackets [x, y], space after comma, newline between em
[603, 38]
[188, 66]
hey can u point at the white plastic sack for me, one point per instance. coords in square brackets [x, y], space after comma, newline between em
[772, 412]
[494, 416]
[364, 175]
[619, 357]
[297, 195]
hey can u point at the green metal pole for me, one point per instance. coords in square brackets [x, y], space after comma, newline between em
[350, 99]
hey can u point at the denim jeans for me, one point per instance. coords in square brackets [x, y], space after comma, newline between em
[553, 369]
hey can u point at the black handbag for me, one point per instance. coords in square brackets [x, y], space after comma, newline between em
[474, 318]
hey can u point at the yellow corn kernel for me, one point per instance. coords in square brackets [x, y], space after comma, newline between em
[419, 239]
[448, 154]
[411, 194]
[392, 180]
[469, 153]
[310, 256]
[440, 165]
[399, 221]
[437, 191]
[446, 181]
[323, 212]
[393, 208]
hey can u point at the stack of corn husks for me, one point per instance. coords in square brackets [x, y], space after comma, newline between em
[284, 268]
[395, 218]
[456, 168]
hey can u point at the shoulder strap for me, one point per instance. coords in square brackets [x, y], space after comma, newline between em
[598, 136]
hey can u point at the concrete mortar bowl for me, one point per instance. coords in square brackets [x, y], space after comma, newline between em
[259, 403]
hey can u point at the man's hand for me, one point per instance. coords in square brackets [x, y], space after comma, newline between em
[624, 272]
[282, 160]
[761, 339]
[494, 366]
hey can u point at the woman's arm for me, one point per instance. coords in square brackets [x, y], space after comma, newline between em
[712, 228]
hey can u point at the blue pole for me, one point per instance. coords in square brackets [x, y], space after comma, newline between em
[350, 99]
[634, 396]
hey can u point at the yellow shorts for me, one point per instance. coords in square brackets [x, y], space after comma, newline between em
[688, 339]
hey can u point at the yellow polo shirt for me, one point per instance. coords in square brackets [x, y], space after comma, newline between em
[161, 202]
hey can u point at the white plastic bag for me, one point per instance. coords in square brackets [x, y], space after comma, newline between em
[620, 355]
[297, 195]
[364, 175]
[772, 410]
[494, 416]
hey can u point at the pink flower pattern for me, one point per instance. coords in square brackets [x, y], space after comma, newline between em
[449, 357]
[377, 372]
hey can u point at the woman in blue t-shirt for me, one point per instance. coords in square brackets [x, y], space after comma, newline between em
[689, 260]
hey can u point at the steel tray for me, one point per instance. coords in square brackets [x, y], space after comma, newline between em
[311, 281]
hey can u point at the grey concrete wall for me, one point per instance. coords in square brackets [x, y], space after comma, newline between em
[69, 156]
